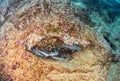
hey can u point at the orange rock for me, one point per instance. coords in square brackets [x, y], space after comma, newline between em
[17, 64]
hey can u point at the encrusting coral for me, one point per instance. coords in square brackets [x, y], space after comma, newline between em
[38, 27]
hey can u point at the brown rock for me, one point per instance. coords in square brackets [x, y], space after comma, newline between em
[90, 64]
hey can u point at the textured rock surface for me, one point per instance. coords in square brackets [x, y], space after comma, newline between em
[114, 72]
[44, 19]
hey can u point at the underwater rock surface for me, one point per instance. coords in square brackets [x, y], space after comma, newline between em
[68, 20]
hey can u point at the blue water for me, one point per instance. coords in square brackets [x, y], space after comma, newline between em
[110, 7]
[1, 1]
[118, 1]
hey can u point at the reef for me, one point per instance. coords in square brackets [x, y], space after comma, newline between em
[50, 25]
